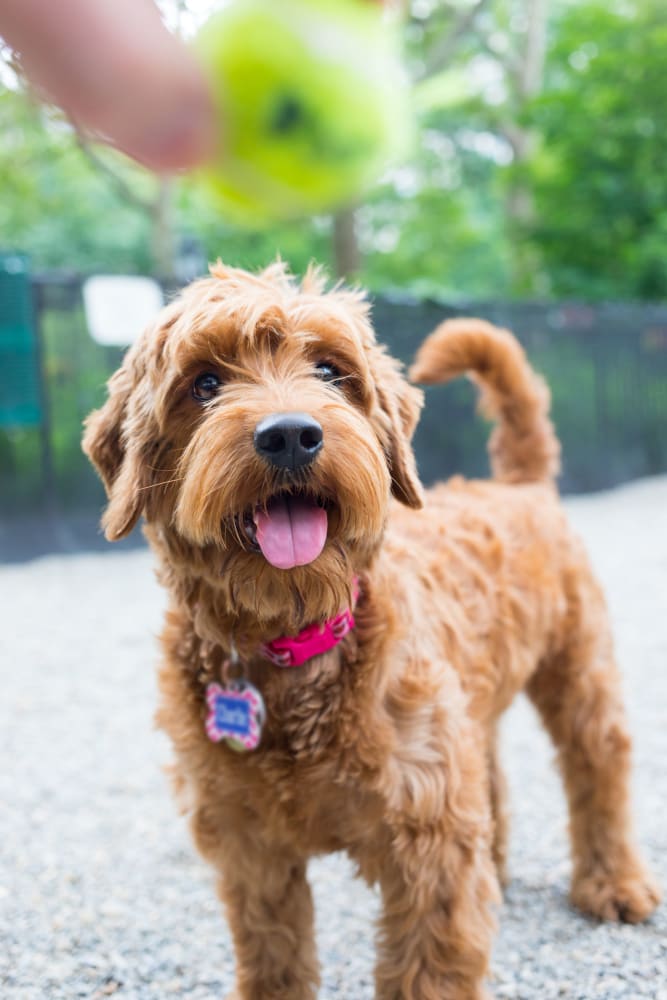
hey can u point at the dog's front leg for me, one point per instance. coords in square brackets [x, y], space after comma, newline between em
[270, 912]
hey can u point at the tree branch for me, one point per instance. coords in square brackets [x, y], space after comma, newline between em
[447, 45]
[120, 184]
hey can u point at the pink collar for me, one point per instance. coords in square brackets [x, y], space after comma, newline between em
[293, 650]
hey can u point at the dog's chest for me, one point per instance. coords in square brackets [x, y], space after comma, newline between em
[302, 717]
[313, 806]
[306, 778]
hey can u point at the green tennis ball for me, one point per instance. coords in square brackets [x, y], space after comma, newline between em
[312, 103]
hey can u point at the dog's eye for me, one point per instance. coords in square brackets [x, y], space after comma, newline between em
[327, 371]
[205, 387]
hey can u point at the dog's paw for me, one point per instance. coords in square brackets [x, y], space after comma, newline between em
[629, 897]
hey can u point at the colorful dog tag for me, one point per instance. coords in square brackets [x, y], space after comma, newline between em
[236, 714]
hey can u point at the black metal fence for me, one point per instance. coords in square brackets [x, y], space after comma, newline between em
[607, 369]
[606, 365]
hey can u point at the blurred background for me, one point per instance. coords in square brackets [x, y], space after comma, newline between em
[536, 197]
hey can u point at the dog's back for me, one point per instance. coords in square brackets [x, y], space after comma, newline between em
[494, 562]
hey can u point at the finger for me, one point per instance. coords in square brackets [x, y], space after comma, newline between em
[113, 66]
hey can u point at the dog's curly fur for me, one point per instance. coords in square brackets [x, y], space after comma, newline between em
[385, 747]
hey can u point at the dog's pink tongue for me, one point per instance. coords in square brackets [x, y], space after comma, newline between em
[291, 531]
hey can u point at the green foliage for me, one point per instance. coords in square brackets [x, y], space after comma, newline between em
[54, 205]
[598, 176]
[443, 237]
[446, 223]
[299, 242]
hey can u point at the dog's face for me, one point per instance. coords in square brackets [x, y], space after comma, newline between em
[260, 424]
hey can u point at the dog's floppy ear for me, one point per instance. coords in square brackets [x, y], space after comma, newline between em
[116, 453]
[400, 406]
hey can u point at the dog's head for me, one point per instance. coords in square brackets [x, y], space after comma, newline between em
[259, 422]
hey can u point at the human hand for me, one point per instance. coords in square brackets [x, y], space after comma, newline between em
[117, 72]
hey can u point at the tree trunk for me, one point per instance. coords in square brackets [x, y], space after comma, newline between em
[519, 205]
[347, 257]
[162, 235]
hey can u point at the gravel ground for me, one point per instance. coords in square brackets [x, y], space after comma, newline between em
[100, 891]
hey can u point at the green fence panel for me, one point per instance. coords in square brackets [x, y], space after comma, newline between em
[20, 396]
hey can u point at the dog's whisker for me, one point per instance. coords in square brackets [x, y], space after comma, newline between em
[231, 526]
[237, 533]
[162, 468]
[166, 482]
[214, 489]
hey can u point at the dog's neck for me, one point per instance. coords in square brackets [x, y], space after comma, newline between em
[259, 636]
[314, 640]
[247, 614]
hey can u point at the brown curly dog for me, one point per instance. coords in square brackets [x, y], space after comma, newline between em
[262, 433]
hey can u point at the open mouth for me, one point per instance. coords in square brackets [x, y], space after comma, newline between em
[289, 529]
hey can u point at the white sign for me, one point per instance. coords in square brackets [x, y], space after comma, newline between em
[119, 307]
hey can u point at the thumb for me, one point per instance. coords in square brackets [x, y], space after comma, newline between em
[115, 69]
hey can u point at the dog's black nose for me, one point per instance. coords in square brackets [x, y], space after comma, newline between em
[288, 440]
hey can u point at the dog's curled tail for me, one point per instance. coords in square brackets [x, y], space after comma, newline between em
[523, 447]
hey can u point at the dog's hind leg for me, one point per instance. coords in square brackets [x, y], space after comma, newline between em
[499, 810]
[577, 693]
